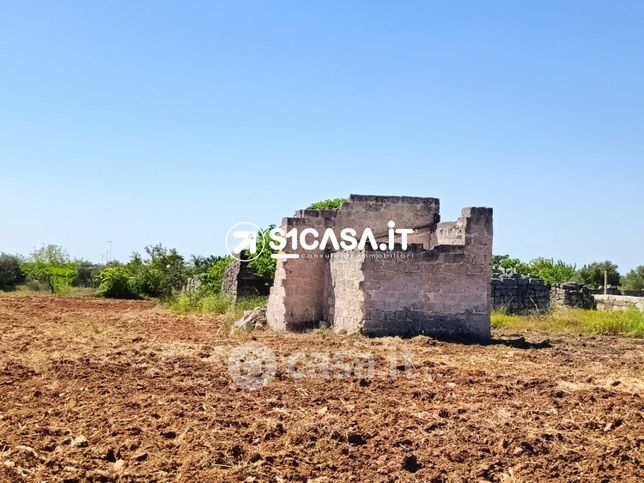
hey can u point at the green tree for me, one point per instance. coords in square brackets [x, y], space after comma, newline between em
[51, 265]
[86, 273]
[201, 264]
[634, 280]
[161, 274]
[11, 274]
[550, 271]
[592, 275]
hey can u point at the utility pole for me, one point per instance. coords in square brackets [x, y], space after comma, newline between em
[109, 257]
[605, 282]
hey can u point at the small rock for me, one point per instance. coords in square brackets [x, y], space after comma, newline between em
[79, 441]
[141, 456]
[169, 434]
[252, 319]
[118, 465]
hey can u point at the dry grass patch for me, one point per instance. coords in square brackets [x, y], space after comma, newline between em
[628, 322]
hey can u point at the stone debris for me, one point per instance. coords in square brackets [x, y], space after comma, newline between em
[79, 441]
[252, 319]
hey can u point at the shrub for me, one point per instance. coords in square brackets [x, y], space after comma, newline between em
[503, 263]
[86, 274]
[11, 274]
[330, 204]
[545, 268]
[634, 280]
[264, 264]
[115, 282]
[212, 279]
[550, 271]
[161, 275]
[592, 275]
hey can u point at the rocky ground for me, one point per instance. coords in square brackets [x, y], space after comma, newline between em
[104, 390]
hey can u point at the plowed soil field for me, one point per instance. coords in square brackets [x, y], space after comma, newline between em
[102, 390]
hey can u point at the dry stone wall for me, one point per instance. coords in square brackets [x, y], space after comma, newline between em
[239, 281]
[619, 302]
[517, 294]
[571, 295]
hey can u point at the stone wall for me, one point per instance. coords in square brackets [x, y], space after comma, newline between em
[239, 281]
[520, 294]
[571, 295]
[517, 294]
[618, 302]
[440, 285]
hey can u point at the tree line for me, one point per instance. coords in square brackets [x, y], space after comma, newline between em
[158, 272]
[161, 272]
[590, 275]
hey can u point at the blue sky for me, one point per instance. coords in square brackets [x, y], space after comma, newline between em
[144, 122]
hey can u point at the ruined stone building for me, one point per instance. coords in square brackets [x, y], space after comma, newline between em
[440, 285]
